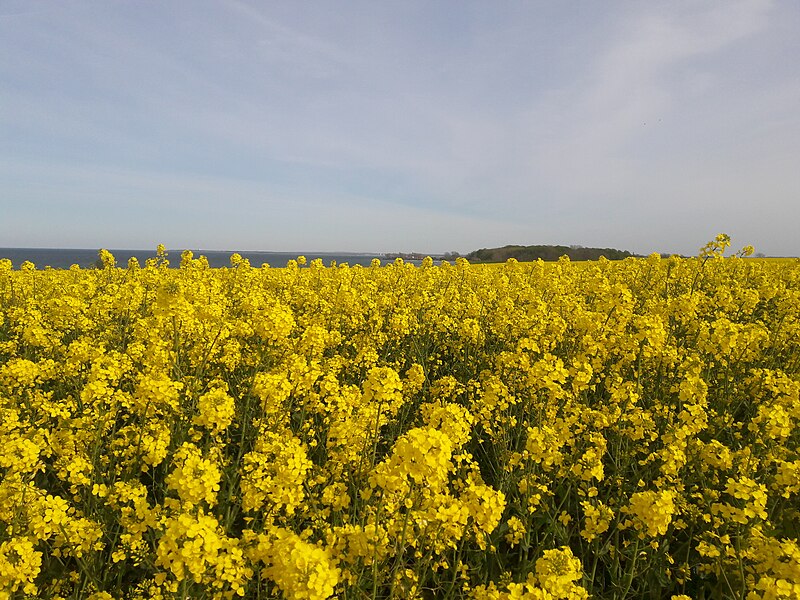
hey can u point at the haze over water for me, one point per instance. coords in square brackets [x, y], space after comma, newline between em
[58, 258]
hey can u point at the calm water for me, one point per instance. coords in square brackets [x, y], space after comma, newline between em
[58, 258]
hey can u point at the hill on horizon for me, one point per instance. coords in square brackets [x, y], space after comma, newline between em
[545, 252]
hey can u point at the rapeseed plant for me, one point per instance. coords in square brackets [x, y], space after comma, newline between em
[606, 429]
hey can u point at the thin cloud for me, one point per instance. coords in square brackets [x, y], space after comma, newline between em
[560, 123]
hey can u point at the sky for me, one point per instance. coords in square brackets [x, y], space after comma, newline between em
[411, 126]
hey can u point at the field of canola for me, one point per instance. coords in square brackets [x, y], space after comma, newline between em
[567, 430]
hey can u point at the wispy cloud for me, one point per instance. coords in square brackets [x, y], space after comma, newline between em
[549, 123]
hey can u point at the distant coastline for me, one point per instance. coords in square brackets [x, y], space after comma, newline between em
[64, 258]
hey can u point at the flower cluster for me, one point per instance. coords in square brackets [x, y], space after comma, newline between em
[543, 430]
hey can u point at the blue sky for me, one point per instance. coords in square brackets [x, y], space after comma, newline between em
[399, 126]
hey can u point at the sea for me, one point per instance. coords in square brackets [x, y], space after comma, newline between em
[64, 258]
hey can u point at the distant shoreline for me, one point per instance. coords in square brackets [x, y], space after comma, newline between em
[64, 258]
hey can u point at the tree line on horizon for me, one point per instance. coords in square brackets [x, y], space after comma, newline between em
[545, 252]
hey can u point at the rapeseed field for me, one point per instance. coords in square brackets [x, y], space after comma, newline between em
[566, 430]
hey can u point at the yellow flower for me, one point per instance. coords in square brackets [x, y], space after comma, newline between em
[193, 547]
[216, 410]
[652, 512]
[19, 567]
[597, 519]
[273, 474]
[557, 571]
[195, 478]
[302, 570]
[421, 456]
[747, 500]
[516, 529]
